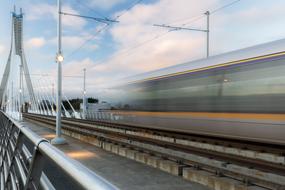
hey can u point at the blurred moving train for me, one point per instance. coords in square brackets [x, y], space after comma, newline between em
[240, 94]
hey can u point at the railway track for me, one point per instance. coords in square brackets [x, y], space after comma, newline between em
[186, 150]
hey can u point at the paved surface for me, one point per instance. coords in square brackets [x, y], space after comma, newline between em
[126, 174]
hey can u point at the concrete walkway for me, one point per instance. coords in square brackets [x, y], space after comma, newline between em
[126, 174]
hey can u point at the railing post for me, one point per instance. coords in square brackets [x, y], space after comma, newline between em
[36, 167]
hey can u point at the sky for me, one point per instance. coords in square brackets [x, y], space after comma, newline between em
[133, 45]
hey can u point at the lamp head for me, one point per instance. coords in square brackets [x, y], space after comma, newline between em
[59, 58]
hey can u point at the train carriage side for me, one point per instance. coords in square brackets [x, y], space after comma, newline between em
[242, 99]
[248, 86]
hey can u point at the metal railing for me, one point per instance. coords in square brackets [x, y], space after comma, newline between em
[109, 116]
[28, 161]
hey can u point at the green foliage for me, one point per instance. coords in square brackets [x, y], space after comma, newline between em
[92, 100]
[76, 103]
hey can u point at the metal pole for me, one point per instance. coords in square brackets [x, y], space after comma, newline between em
[59, 58]
[12, 97]
[208, 32]
[52, 98]
[84, 93]
[52, 92]
[20, 94]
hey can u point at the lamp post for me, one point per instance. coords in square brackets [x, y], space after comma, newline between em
[59, 59]
[84, 94]
[20, 93]
[208, 32]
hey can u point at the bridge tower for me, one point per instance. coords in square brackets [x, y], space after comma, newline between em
[17, 49]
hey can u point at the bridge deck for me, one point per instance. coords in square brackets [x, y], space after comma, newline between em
[120, 171]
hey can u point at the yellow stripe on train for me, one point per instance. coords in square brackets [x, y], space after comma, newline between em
[224, 115]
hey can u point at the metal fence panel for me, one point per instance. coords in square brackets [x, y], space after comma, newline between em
[28, 161]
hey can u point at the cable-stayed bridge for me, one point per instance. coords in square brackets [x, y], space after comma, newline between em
[17, 91]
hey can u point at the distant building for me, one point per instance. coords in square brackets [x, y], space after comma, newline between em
[95, 107]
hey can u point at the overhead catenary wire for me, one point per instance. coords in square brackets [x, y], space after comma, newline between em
[199, 17]
[127, 50]
[101, 29]
[91, 38]
[188, 19]
[224, 7]
[68, 76]
[129, 8]
[90, 8]
[101, 20]
[194, 19]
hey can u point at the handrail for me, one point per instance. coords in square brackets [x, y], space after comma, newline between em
[28, 161]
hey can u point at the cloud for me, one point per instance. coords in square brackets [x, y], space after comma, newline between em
[248, 27]
[40, 11]
[35, 42]
[43, 11]
[143, 47]
[105, 5]
[69, 42]
[70, 21]
[254, 14]
[76, 67]
[72, 42]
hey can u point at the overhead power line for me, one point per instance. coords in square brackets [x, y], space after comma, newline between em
[47, 75]
[102, 20]
[129, 8]
[100, 30]
[127, 51]
[188, 19]
[175, 28]
[91, 38]
[91, 9]
[224, 7]
[207, 14]
[179, 28]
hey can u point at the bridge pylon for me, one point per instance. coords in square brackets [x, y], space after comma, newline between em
[16, 49]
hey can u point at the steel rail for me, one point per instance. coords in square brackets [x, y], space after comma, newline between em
[215, 140]
[224, 141]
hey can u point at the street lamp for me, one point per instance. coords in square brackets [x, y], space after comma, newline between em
[84, 94]
[59, 59]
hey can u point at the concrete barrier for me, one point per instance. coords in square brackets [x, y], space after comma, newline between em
[170, 167]
[131, 154]
[123, 151]
[141, 157]
[153, 161]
